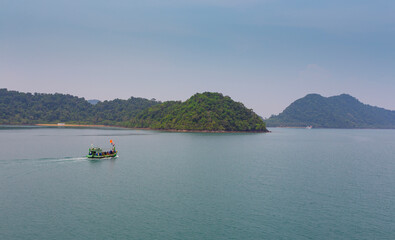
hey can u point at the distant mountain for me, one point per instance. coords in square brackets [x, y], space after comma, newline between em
[93, 101]
[343, 111]
[202, 112]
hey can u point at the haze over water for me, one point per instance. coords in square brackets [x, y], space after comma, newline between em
[288, 184]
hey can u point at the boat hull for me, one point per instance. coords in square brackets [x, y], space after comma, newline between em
[102, 156]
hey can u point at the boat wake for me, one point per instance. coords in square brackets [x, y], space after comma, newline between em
[44, 160]
[52, 160]
[32, 166]
[68, 159]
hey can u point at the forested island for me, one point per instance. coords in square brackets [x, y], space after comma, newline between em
[202, 112]
[343, 111]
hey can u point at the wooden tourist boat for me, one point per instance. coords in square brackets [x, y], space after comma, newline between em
[96, 152]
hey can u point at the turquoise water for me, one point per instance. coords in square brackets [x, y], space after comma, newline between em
[288, 184]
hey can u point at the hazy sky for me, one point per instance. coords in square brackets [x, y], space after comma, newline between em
[265, 53]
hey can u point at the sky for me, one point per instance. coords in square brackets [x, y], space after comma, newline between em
[265, 54]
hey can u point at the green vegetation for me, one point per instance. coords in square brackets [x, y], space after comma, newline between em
[27, 108]
[118, 112]
[202, 112]
[343, 111]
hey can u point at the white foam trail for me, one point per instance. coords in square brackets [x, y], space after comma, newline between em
[47, 160]
[52, 160]
[69, 159]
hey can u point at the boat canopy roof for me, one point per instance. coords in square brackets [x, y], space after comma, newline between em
[95, 149]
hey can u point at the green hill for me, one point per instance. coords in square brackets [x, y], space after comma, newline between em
[202, 112]
[343, 111]
[27, 108]
[119, 112]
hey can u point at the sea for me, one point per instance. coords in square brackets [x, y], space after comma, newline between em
[287, 184]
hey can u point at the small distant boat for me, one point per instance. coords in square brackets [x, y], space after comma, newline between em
[309, 127]
[96, 152]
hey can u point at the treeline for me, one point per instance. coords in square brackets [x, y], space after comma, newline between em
[203, 111]
[27, 108]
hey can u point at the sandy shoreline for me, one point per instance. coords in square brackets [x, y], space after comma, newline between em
[163, 130]
[75, 125]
